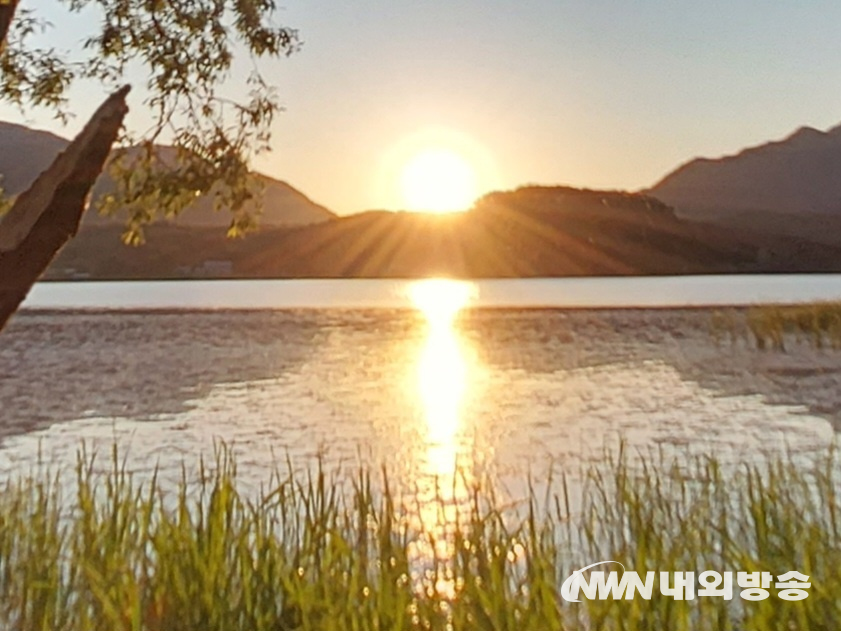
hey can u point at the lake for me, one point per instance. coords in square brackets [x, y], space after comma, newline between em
[652, 291]
[420, 377]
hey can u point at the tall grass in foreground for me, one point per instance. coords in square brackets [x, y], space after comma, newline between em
[317, 552]
[768, 326]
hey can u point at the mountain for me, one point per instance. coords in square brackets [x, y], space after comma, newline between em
[528, 232]
[726, 221]
[25, 153]
[282, 205]
[790, 186]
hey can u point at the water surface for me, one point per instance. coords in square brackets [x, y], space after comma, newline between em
[426, 390]
[653, 291]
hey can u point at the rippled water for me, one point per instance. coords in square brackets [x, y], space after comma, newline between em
[504, 392]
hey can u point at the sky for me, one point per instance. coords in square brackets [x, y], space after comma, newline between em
[589, 93]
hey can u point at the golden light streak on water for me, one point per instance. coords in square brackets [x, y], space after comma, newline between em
[442, 366]
[443, 372]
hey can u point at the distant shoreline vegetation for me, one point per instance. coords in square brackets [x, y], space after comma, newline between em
[321, 551]
[773, 327]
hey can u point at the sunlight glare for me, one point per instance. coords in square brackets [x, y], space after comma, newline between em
[440, 299]
[442, 367]
[442, 378]
[438, 181]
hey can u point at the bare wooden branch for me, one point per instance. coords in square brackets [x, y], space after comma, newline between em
[47, 215]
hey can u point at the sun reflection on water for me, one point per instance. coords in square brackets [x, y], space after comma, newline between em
[446, 459]
[442, 366]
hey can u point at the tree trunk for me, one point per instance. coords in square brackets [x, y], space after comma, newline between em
[47, 215]
[7, 13]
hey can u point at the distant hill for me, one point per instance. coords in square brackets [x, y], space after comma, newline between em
[529, 232]
[25, 153]
[792, 186]
[725, 221]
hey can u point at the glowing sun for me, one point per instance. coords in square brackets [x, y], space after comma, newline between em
[438, 181]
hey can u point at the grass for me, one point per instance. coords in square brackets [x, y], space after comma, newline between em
[770, 326]
[321, 552]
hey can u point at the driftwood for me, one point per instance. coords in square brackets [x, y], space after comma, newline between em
[47, 215]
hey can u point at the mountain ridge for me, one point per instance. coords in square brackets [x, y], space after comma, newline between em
[800, 173]
[282, 204]
[528, 232]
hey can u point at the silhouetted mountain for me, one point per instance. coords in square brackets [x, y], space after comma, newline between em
[533, 231]
[25, 152]
[788, 187]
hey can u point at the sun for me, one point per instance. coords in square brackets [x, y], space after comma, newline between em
[438, 181]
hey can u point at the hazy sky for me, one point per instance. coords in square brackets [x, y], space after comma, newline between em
[595, 93]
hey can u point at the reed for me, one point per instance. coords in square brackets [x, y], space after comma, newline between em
[323, 552]
[771, 327]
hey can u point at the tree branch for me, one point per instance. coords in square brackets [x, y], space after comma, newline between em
[44, 217]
